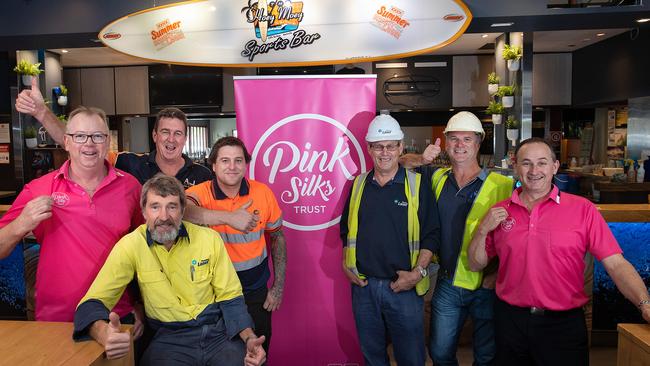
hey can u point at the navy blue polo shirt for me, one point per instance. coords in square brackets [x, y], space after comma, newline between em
[143, 167]
[454, 205]
[382, 239]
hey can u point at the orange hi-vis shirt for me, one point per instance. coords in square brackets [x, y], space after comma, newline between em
[247, 252]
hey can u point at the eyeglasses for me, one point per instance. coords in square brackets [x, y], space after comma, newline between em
[81, 138]
[380, 147]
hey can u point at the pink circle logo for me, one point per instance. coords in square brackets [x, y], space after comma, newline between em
[508, 223]
[307, 160]
[60, 199]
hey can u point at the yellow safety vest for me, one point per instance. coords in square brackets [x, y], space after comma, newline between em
[412, 190]
[496, 188]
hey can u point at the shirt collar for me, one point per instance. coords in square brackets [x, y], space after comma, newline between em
[482, 175]
[182, 233]
[553, 196]
[64, 171]
[218, 194]
[399, 177]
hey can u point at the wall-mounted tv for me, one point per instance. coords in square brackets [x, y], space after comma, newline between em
[185, 86]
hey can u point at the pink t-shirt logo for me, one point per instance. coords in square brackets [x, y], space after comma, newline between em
[60, 199]
[508, 223]
[307, 159]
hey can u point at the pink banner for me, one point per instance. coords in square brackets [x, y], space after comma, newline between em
[306, 138]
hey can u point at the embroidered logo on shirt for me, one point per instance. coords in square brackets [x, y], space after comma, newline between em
[60, 199]
[401, 203]
[202, 262]
[508, 223]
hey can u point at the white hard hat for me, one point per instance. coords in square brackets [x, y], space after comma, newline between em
[384, 128]
[464, 121]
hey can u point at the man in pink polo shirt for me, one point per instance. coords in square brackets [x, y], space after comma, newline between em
[77, 213]
[541, 237]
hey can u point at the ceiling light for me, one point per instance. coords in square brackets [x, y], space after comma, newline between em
[643, 20]
[451, 109]
[586, 39]
[600, 34]
[484, 36]
[64, 51]
[502, 24]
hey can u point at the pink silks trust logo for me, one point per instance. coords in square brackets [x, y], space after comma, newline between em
[508, 223]
[307, 159]
[60, 199]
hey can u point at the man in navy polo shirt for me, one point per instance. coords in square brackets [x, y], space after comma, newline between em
[390, 230]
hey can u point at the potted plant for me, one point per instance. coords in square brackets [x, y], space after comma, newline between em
[512, 54]
[63, 96]
[493, 83]
[512, 129]
[507, 94]
[496, 110]
[27, 70]
[30, 137]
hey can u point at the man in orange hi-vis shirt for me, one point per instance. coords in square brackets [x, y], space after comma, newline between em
[227, 192]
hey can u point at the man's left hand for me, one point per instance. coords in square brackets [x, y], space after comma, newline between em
[273, 299]
[405, 280]
[138, 325]
[490, 281]
[255, 354]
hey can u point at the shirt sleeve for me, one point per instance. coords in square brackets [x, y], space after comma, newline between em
[602, 242]
[489, 245]
[428, 216]
[228, 292]
[274, 220]
[343, 225]
[195, 194]
[107, 288]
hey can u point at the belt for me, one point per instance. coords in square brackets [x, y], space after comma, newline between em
[537, 311]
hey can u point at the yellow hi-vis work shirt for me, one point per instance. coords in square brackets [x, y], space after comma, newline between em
[177, 285]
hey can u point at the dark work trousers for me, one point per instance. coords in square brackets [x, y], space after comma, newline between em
[261, 318]
[200, 345]
[554, 338]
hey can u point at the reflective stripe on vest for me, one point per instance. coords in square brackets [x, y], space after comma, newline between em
[412, 191]
[496, 188]
[250, 263]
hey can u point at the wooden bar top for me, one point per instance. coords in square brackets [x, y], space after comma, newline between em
[625, 212]
[51, 344]
[633, 345]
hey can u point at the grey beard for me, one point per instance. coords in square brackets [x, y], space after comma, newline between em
[164, 237]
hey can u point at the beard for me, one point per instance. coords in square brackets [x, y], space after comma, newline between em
[164, 236]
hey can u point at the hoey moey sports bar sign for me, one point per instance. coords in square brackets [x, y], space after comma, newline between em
[283, 32]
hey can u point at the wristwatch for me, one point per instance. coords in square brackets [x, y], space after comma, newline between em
[643, 302]
[423, 271]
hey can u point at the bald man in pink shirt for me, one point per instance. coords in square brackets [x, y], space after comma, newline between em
[541, 236]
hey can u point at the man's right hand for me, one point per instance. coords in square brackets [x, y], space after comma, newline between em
[492, 219]
[243, 220]
[352, 277]
[116, 343]
[31, 101]
[35, 211]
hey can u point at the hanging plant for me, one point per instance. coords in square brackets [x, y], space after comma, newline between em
[512, 123]
[511, 52]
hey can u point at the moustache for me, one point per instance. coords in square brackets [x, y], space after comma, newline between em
[163, 222]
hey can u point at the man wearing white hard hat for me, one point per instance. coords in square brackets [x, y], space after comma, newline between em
[464, 193]
[390, 229]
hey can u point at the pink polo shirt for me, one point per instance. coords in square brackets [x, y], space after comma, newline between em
[541, 254]
[78, 237]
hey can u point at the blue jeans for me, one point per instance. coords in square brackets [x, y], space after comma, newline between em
[380, 314]
[450, 306]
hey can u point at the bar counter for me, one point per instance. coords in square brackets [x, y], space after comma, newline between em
[625, 212]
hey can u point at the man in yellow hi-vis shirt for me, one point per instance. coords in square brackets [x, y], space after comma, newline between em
[192, 296]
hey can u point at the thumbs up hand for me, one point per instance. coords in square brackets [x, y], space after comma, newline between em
[431, 152]
[116, 342]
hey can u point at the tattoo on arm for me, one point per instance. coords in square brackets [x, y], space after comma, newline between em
[279, 257]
